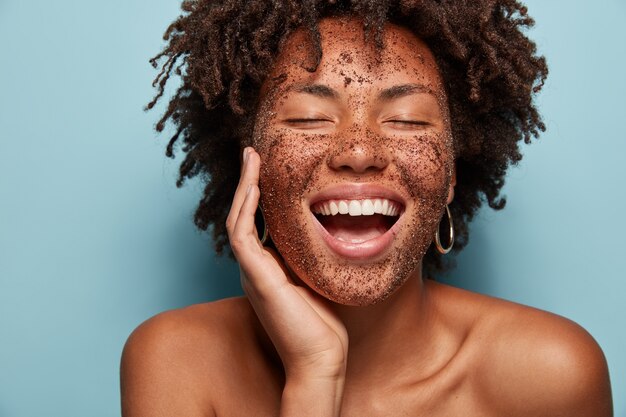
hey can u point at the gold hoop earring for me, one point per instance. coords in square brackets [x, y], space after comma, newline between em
[259, 219]
[438, 245]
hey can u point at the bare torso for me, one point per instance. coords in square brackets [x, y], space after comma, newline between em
[491, 358]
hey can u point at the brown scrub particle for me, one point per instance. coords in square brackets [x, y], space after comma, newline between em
[345, 57]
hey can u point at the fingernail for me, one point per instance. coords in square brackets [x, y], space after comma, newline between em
[246, 151]
[248, 189]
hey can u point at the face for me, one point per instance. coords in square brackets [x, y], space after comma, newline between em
[357, 160]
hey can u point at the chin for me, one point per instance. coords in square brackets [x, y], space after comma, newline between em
[359, 285]
[369, 289]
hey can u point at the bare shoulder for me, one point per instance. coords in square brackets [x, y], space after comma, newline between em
[171, 363]
[532, 362]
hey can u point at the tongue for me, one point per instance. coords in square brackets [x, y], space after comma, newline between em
[355, 229]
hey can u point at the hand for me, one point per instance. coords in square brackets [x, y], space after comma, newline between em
[311, 341]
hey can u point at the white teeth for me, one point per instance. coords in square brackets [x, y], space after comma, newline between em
[365, 207]
[385, 208]
[355, 208]
[378, 206]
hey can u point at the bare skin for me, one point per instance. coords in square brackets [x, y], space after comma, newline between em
[356, 333]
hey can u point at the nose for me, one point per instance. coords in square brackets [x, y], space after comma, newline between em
[359, 151]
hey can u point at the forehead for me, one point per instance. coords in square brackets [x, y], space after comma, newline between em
[351, 60]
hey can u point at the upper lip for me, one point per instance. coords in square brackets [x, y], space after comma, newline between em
[356, 191]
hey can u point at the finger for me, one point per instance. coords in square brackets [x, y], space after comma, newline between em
[235, 205]
[249, 175]
[238, 196]
[244, 231]
[243, 161]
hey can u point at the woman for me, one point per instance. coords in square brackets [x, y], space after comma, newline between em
[367, 132]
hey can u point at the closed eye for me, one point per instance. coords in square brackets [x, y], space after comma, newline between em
[406, 124]
[308, 123]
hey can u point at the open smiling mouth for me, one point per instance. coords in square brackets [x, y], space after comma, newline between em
[357, 222]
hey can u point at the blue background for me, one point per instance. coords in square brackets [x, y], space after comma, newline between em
[95, 238]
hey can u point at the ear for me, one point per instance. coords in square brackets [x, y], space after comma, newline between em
[452, 185]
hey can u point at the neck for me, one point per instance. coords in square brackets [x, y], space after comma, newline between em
[386, 337]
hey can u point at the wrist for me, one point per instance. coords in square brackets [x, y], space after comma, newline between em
[328, 365]
[312, 395]
[319, 372]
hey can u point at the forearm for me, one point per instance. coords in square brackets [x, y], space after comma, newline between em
[312, 396]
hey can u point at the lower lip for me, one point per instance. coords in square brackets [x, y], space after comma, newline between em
[358, 251]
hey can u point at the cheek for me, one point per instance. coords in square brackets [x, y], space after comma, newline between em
[287, 162]
[425, 163]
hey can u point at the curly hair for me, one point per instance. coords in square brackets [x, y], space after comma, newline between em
[224, 49]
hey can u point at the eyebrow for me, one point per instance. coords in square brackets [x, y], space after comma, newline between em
[403, 90]
[388, 94]
[318, 90]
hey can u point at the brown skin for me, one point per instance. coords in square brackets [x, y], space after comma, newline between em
[397, 344]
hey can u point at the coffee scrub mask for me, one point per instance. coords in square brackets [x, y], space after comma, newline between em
[373, 125]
